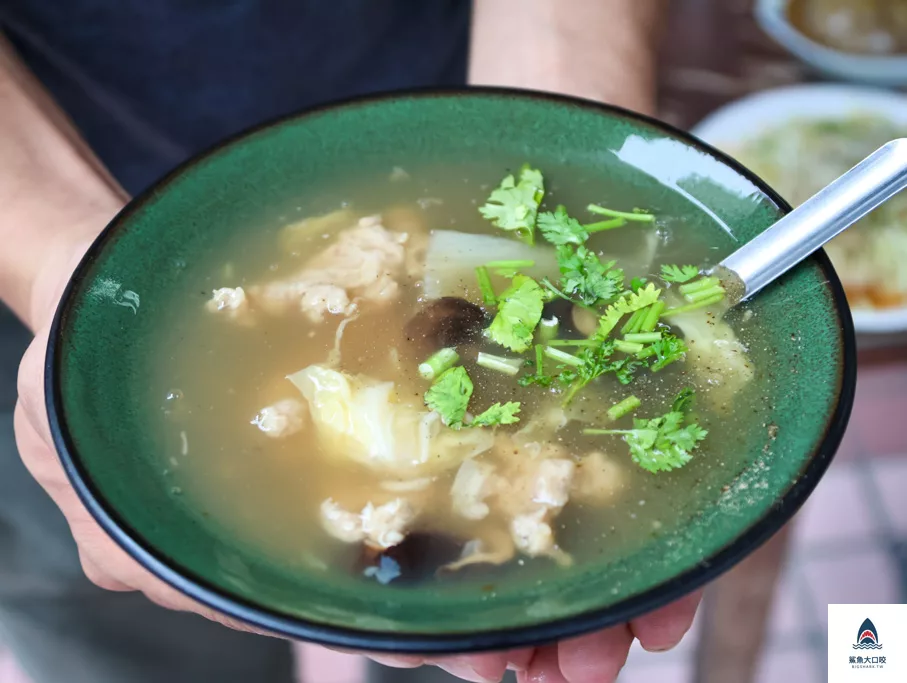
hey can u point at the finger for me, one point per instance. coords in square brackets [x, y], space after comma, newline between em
[99, 577]
[30, 385]
[518, 660]
[665, 628]
[481, 668]
[544, 667]
[104, 562]
[398, 661]
[597, 657]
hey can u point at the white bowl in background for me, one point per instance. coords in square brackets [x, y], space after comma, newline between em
[732, 126]
[771, 16]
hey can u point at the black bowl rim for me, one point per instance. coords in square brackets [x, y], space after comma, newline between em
[271, 621]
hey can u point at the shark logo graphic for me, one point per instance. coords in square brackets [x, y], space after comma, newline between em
[868, 637]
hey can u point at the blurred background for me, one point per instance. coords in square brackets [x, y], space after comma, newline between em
[753, 77]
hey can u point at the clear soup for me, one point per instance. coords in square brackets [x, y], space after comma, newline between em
[302, 418]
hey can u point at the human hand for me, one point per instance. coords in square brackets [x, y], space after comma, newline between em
[103, 561]
[594, 658]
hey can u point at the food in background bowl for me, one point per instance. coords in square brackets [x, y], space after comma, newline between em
[877, 27]
[802, 156]
[852, 40]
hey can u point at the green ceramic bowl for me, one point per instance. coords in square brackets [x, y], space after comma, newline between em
[104, 331]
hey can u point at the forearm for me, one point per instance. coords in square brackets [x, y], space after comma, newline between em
[596, 49]
[54, 195]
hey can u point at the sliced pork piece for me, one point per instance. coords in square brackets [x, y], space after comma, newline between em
[231, 302]
[533, 536]
[551, 487]
[533, 498]
[342, 524]
[364, 263]
[532, 533]
[387, 525]
[379, 526]
[282, 419]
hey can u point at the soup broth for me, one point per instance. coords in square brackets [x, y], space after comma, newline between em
[304, 415]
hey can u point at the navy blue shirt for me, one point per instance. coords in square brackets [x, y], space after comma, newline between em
[150, 82]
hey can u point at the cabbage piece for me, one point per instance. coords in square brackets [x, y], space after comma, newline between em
[361, 419]
[471, 487]
[718, 358]
[452, 258]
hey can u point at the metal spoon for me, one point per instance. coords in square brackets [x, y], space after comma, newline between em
[823, 216]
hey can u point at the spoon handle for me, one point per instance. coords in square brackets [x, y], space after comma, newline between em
[826, 214]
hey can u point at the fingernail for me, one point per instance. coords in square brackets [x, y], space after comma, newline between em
[516, 667]
[666, 648]
[466, 672]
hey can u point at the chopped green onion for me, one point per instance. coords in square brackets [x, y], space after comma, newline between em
[643, 337]
[692, 307]
[510, 264]
[574, 342]
[509, 366]
[509, 268]
[630, 216]
[628, 405]
[701, 294]
[561, 357]
[547, 330]
[539, 359]
[646, 352]
[637, 324]
[630, 325]
[628, 347]
[485, 286]
[701, 283]
[573, 391]
[652, 315]
[438, 362]
[601, 226]
[660, 365]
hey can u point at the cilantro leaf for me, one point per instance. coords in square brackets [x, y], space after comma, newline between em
[498, 414]
[540, 379]
[559, 228]
[585, 278]
[628, 303]
[678, 273]
[637, 283]
[666, 350]
[595, 362]
[683, 400]
[514, 205]
[449, 396]
[660, 444]
[519, 312]
[625, 368]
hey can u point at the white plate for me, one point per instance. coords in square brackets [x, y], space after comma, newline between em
[731, 126]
